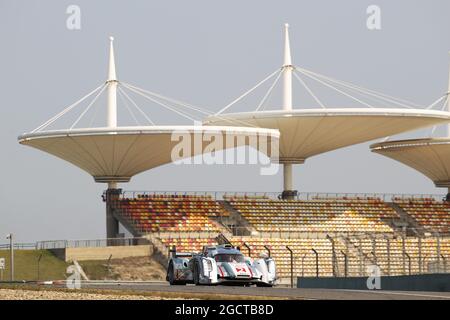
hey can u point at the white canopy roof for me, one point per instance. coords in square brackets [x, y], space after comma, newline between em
[308, 132]
[115, 155]
[430, 156]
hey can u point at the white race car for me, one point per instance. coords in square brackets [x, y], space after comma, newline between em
[221, 264]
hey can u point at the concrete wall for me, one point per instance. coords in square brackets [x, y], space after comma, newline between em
[103, 253]
[425, 282]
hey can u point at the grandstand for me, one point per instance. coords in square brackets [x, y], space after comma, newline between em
[312, 235]
[329, 236]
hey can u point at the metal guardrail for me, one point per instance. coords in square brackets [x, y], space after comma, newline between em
[84, 243]
[90, 243]
[18, 246]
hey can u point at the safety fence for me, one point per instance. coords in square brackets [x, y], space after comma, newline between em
[353, 255]
[338, 254]
[19, 246]
[91, 243]
[82, 243]
[311, 255]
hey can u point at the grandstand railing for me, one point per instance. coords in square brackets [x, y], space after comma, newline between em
[185, 235]
[90, 243]
[85, 243]
[18, 246]
[286, 233]
[223, 195]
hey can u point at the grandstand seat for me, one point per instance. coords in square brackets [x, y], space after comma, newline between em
[169, 213]
[429, 213]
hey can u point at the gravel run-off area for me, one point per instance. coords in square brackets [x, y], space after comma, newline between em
[18, 294]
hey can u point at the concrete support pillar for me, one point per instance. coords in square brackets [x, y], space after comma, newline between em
[112, 224]
[112, 185]
[287, 176]
[288, 192]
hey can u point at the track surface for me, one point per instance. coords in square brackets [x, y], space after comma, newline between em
[288, 293]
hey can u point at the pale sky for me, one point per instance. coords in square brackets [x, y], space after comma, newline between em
[205, 53]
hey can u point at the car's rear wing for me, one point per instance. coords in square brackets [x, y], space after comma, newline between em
[174, 254]
[184, 254]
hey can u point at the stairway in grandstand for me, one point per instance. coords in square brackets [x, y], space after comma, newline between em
[237, 221]
[407, 221]
[429, 214]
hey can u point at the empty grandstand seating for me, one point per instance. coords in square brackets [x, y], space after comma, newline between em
[429, 213]
[161, 213]
[336, 215]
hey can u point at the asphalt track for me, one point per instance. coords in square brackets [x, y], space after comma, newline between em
[277, 292]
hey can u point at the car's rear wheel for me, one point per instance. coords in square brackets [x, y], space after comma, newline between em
[171, 274]
[171, 277]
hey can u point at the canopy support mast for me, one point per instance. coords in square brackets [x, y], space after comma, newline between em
[112, 88]
[288, 192]
[448, 125]
[111, 117]
[448, 100]
[113, 193]
[287, 71]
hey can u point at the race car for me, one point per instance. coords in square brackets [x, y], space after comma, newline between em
[221, 264]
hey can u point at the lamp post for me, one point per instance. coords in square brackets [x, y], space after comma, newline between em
[11, 251]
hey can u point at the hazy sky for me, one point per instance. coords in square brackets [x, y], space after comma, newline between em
[206, 53]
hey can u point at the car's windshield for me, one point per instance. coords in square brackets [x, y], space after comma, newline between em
[229, 258]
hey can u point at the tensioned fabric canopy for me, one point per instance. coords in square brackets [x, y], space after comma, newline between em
[117, 154]
[308, 132]
[430, 156]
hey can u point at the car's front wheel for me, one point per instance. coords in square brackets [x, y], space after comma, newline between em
[196, 274]
[264, 285]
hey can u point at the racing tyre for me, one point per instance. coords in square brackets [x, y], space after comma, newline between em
[196, 274]
[171, 277]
